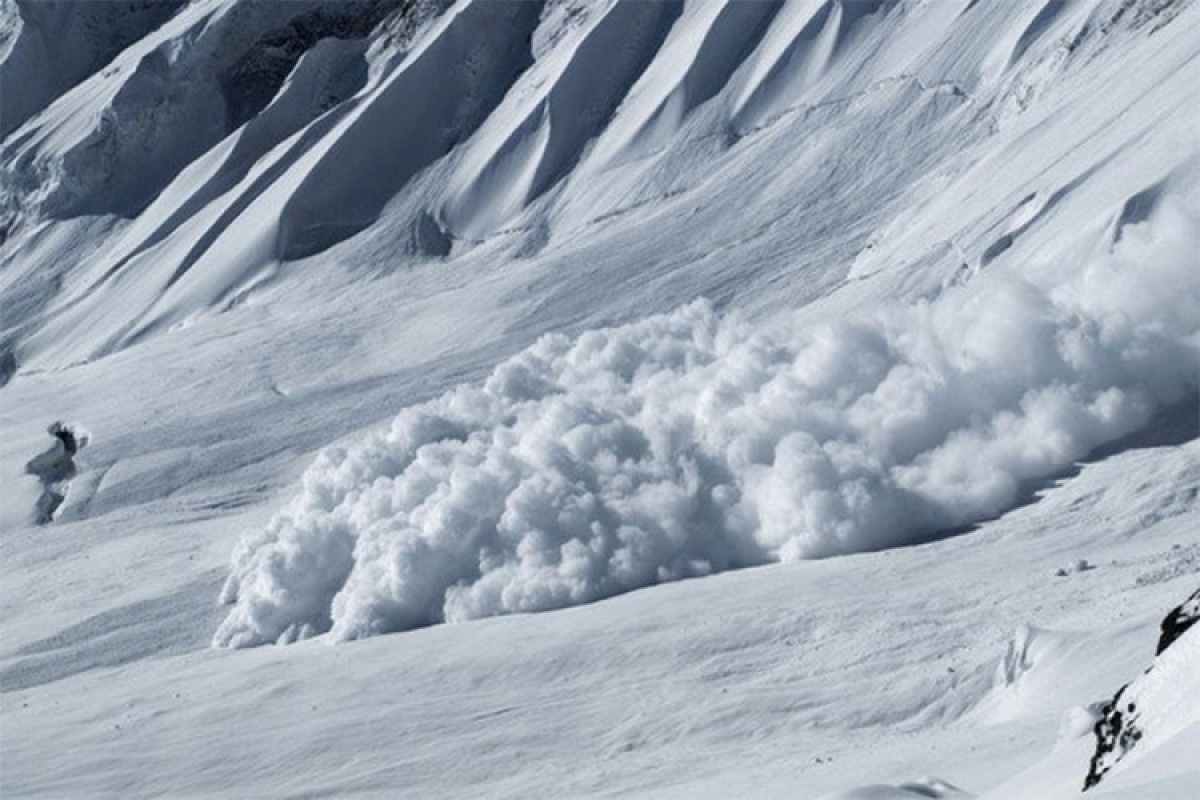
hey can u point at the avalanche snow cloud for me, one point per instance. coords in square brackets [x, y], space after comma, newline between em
[689, 443]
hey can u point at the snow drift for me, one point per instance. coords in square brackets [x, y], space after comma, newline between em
[690, 443]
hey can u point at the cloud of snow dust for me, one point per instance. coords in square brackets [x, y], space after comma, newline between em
[688, 443]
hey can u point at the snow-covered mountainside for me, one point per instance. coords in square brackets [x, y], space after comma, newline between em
[878, 321]
[1146, 713]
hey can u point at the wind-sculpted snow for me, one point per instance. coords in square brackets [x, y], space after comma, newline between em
[46, 48]
[690, 443]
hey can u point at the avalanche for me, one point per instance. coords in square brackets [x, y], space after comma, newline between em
[876, 320]
[689, 444]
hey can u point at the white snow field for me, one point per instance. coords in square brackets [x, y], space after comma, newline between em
[825, 374]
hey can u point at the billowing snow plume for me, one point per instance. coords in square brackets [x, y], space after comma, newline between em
[688, 443]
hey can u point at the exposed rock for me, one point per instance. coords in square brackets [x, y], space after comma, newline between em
[250, 83]
[1179, 620]
[1154, 702]
[1117, 731]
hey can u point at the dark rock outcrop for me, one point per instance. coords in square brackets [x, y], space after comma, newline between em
[1179, 620]
[1122, 719]
[251, 82]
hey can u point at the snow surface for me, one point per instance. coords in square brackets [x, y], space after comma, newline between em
[656, 290]
[1167, 698]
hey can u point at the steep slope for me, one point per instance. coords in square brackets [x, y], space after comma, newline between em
[657, 290]
[49, 46]
[685, 445]
[885, 99]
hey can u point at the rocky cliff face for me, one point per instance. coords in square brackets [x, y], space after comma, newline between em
[1164, 700]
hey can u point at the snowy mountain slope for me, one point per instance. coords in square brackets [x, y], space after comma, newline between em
[782, 681]
[686, 445]
[995, 204]
[51, 46]
[1144, 736]
[931, 96]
